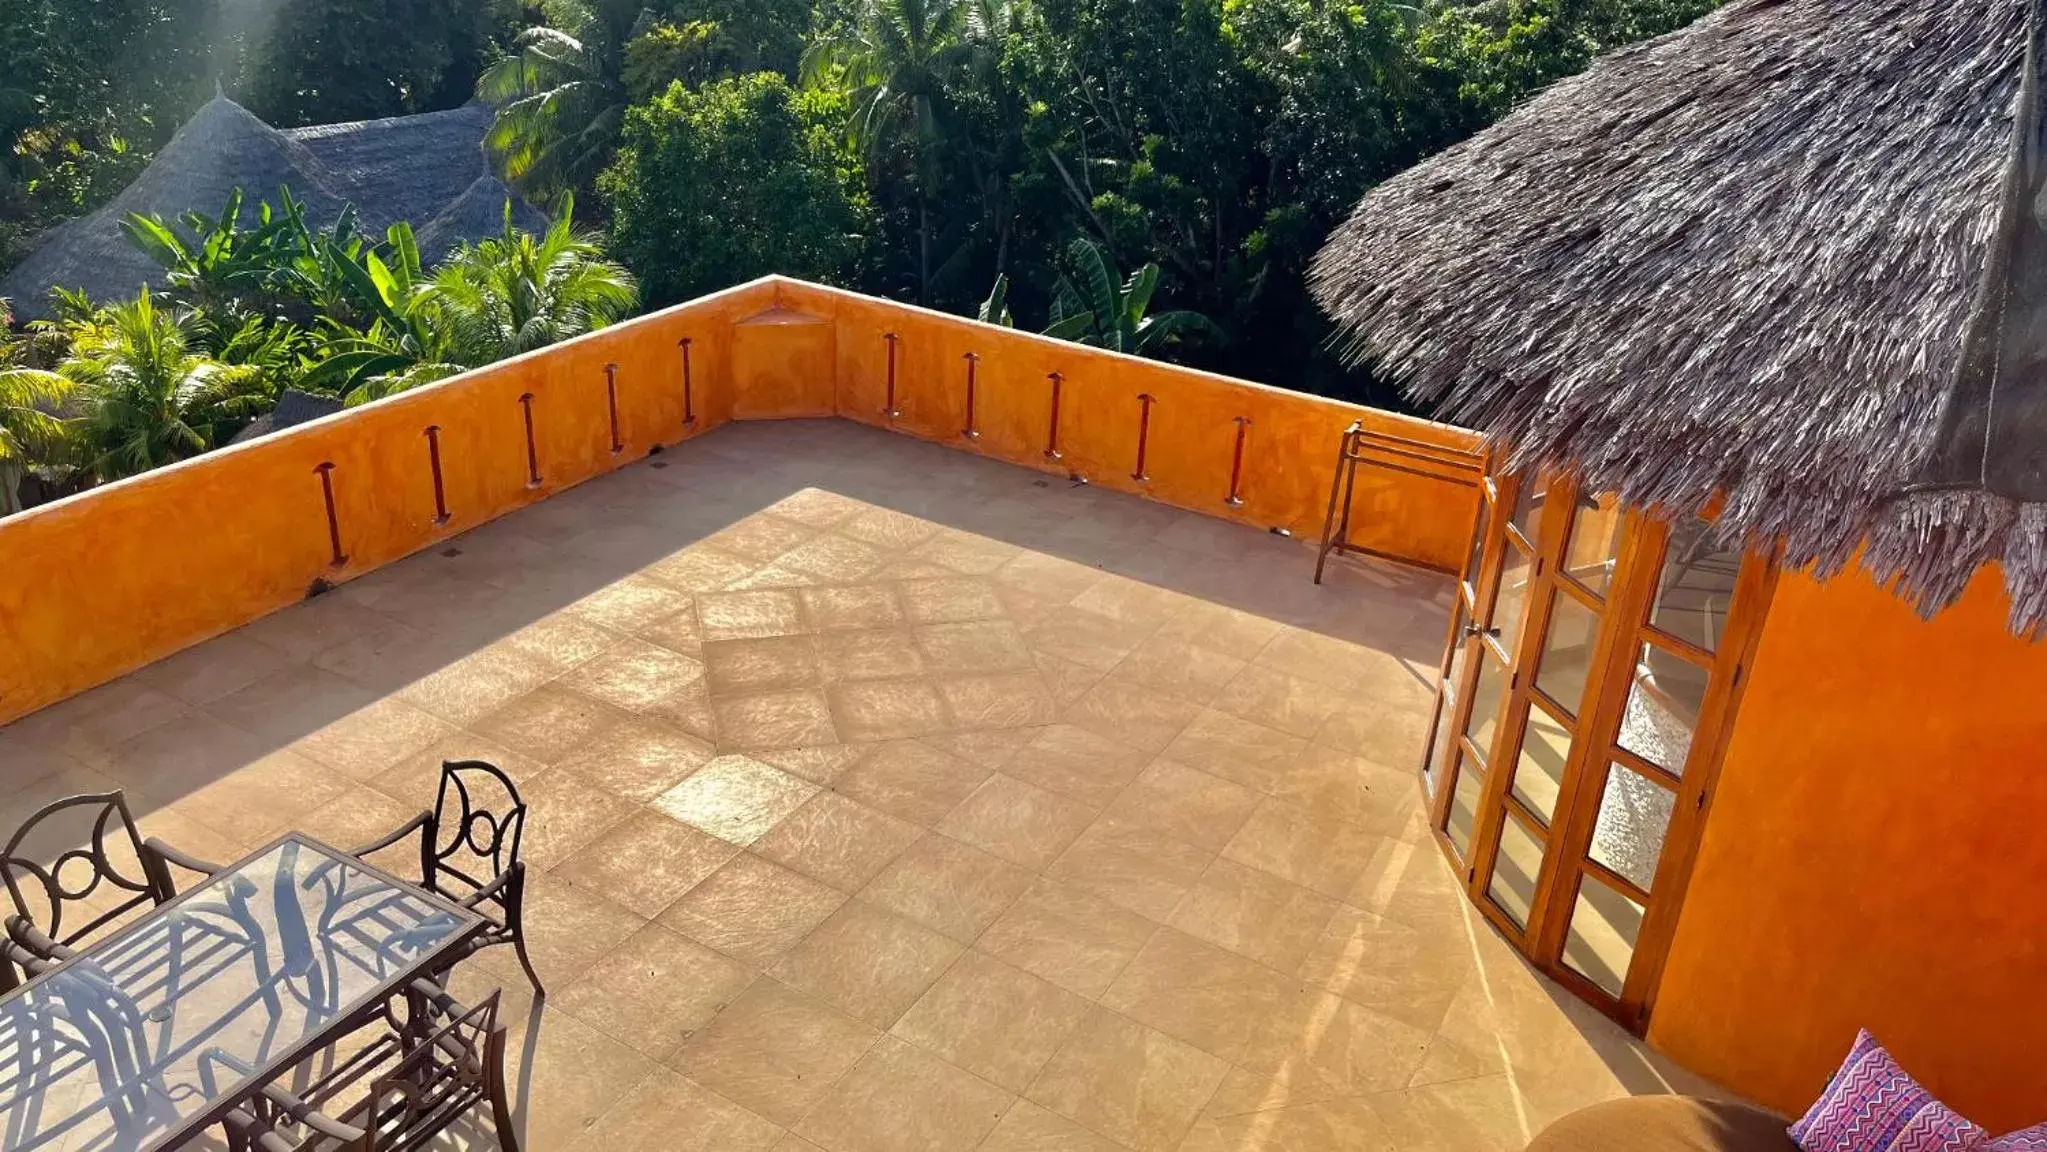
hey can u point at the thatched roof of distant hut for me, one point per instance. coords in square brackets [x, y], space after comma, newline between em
[1740, 260]
[412, 168]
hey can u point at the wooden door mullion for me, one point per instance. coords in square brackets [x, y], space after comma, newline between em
[1485, 588]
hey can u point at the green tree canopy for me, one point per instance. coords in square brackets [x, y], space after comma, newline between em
[734, 180]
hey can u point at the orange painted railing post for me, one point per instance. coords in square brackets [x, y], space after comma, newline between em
[1052, 435]
[611, 400]
[1236, 499]
[971, 432]
[689, 412]
[1145, 400]
[326, 471]
[433, 457]
[532, 452]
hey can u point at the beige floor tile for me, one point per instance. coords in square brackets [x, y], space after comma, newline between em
[1089, 640]
[356, 816]
[1319, 1047]
[950, 599]
[869, 654]
[564, 813]
[1412, 973]
[996, 1021]
[638, 758]
[475, 685]
[945, 885]
[990, 748]
[1312, 850]
[760, 537]
[646, 861]
[562, 640]
[900, 1099]
[736, 798]
[817, 763]
[1053, 576]
[264, 798]
[630, 604]
[634, 675]
[794, 1143]
[1132, 714]
[1069, 936]
[774, 720]
[293, 700]
[1238, 750]
[1291, 704]
[1029, 1128]
[1412, 883]
[1388, 731]
[774, 1051]
[1186, 804]
[854, 607]
[911, 780]
[1480, 1115]
[548, 723]
[888, 528]
[568, 1076]
[966, 553]
[1350, 1125]
[687, 709]
[206, 672]
[1220, 629]
[1004, 700]
[1065, 680]
[1073, 761]
[699, 568]
[1378, 798]
[836, 840]
[177, 756]
[368, 741]
[749, 615]
[653, 990]
[816, 507]
[1131, 1083]
[768, 664]
[568, 929]
[973, 647]
[867, 962]
[1179, 668]
[667, 1113]
[887, 710]
[1132, 866]
[679, 632]
[832, 557]
[1255, 914]
[1197, 992]
[1024, 825]
[1130, 601]
[752, 910]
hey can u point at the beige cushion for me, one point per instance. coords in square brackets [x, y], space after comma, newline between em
[1666, 1124]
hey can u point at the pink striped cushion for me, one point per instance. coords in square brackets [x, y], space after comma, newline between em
[1872, 1106]
[2032, 1139]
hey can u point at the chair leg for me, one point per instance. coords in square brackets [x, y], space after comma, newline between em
[500, 1108]
[515, 920]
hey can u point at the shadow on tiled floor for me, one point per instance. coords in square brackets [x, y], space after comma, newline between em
[886, 798]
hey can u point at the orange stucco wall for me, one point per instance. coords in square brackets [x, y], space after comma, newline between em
[99, 584]
[1876, 856]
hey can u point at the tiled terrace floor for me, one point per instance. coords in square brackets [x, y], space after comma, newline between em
[889, 799]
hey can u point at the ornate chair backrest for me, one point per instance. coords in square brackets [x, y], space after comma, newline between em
[441, 1075]
[478, 819]
[66, 853]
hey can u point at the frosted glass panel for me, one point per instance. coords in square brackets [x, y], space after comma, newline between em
[1634, 819]
[1663, 707]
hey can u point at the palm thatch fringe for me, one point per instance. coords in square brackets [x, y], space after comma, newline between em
[1737, 263]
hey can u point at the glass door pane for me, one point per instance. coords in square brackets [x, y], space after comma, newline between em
[1605, 924]
[1464, 805]
[1634, 820]
[1566, 658]
[1485, 700]
[1695, 588]
[1515, 870]
[1539, 772]
[1594, 546]
[1663, 707]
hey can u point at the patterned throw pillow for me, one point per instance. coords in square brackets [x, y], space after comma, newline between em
[2032, 1139]
[1872, 1106]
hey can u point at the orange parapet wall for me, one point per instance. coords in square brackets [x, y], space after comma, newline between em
[1876, 857]
[99, 584]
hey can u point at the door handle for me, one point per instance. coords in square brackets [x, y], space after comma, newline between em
[1471, 630]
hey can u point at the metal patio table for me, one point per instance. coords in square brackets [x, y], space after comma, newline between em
[152, 1035]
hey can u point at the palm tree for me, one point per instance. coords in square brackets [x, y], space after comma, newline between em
[148, 398]
[560, 97]
[30, 424]
[899, 62]
[1090, 308]
[488, 301]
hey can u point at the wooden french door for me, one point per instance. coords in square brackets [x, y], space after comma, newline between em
[1591, 672]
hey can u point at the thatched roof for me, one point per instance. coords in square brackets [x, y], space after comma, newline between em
[412, 168]
[293, 408]
[1741, 260]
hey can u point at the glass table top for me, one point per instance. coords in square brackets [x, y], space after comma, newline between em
[140, 1041]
